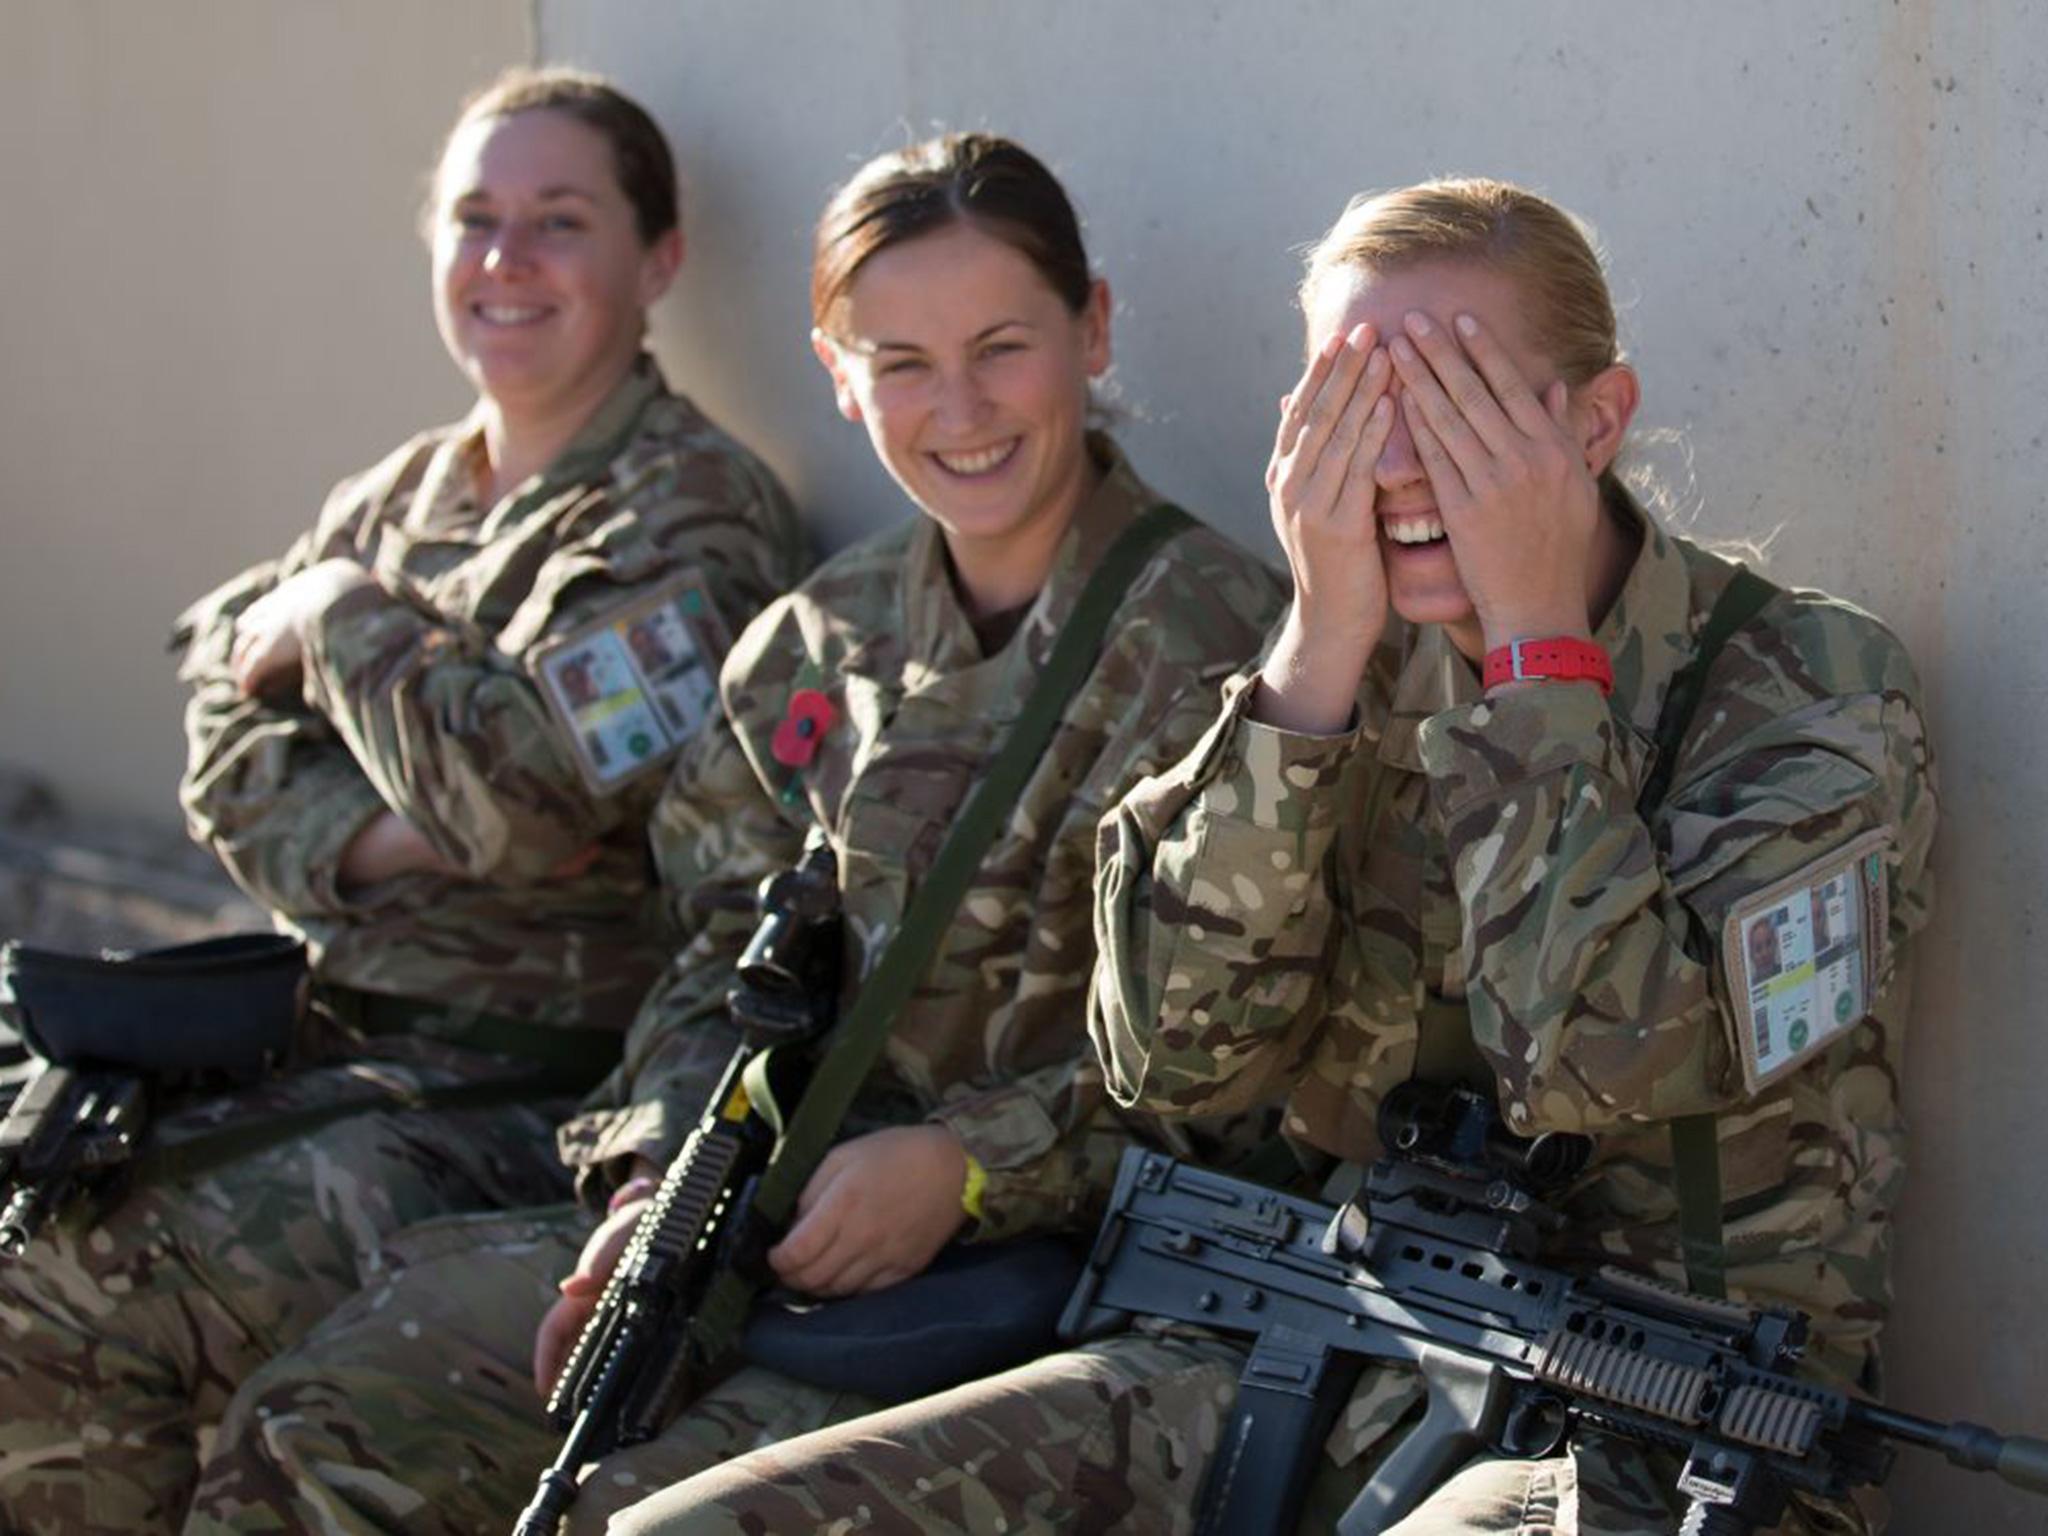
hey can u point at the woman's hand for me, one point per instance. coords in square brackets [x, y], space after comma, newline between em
[563, 1324]
[270, 634]
[877, 1210]
[1517, 500]
[386, 847]
[1320, 483]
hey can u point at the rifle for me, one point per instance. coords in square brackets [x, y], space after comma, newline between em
[673, 1307]
[1433, 1266]
[66, 1127]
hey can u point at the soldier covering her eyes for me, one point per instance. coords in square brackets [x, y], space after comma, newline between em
[1391, 857]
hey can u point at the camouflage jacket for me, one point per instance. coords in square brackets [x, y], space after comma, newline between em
[418, 697]
[1277, 910]
[994, 1043]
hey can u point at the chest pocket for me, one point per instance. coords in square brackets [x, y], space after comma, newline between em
[892, 822]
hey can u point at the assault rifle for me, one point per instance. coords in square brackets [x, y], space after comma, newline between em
[1433, 1266]
[66, 1127]
[675, 1303]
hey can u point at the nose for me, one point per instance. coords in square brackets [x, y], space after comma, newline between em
[511, 248]
[1398, 465]
[962, 401]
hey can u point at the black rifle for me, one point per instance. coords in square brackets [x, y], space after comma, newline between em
[675, 1304]
[1432, 1265]
[67, 1127]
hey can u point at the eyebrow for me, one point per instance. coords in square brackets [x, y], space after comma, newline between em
[554, 193]
[910, 346]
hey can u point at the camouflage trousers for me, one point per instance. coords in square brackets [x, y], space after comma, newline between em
[126, 1330]
[1114, 1439]
[412, 1408]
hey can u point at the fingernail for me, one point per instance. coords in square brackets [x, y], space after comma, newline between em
[1418, 322]
[1360, 337]
[1380, 408]
[1403, 350]
[1467, 326]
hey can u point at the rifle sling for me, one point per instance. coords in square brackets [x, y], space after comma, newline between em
[811, 1126]
[1446, 1051]
[1695, 1141]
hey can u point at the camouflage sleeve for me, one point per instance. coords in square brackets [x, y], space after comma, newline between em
[453, 731]
[715, 835]
[1051, 1140]
[1214, 919]
[1049, 1143]
[268, 787]
[1592, 946]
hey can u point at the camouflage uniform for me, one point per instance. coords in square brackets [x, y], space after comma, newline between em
[361, 1431]
[123, 1335]
[1274, 914]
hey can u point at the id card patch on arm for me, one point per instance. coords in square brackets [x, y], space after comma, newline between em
[1805, 958]
[631, 686]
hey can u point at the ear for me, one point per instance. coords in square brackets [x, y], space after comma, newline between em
[1601, 409]
[659, 264]
[1094, 318]
[835, 364]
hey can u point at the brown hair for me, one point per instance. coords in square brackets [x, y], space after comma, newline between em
[982, 179]
[641, 161]
[1551, 257]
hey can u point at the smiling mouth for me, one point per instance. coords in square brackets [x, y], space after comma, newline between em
[1417, 531]
[509, 314]
[979, 462]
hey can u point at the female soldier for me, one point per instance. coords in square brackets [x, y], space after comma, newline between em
[959, 322]
[1397, 853]
[375, 757]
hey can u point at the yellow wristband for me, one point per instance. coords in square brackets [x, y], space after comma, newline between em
[970, 1192]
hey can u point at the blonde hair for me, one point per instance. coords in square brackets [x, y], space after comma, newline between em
[1550, 256]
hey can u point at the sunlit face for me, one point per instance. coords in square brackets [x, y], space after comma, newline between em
[1422, 579]
[541, 283]
[971, 376]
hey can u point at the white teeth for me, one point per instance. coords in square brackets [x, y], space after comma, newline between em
[981, 461]
[1414, 530]
[510, 314]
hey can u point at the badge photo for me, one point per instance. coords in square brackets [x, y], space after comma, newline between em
[629, 687]
[1804, 959]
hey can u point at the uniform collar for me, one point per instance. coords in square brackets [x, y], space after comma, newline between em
[448, 485]
[940, 639]
[1648, 634]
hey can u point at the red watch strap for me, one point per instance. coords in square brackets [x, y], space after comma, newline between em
[1559, 659]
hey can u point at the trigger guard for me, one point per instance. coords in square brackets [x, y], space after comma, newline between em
[1535, 1427]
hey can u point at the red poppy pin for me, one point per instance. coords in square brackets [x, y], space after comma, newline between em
[796, 739]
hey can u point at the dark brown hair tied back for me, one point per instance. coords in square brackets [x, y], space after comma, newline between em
[645, 169]
[982, 179]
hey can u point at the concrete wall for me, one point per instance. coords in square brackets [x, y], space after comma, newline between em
[1827, 224]
[212, 305]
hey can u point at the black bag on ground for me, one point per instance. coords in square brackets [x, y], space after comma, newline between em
[219, 1007]
[977, 1309]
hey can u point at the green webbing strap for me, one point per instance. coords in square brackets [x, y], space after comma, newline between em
[189, 1159]
[563, 1062]
[1445, 1051]
[574, 1059]
[1695, 1142]
[813, 1124]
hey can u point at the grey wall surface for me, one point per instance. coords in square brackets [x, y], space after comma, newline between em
[1826, 224]
[213, 304]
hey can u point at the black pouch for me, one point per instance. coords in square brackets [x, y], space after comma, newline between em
[977, 1309]
[226, 1007]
